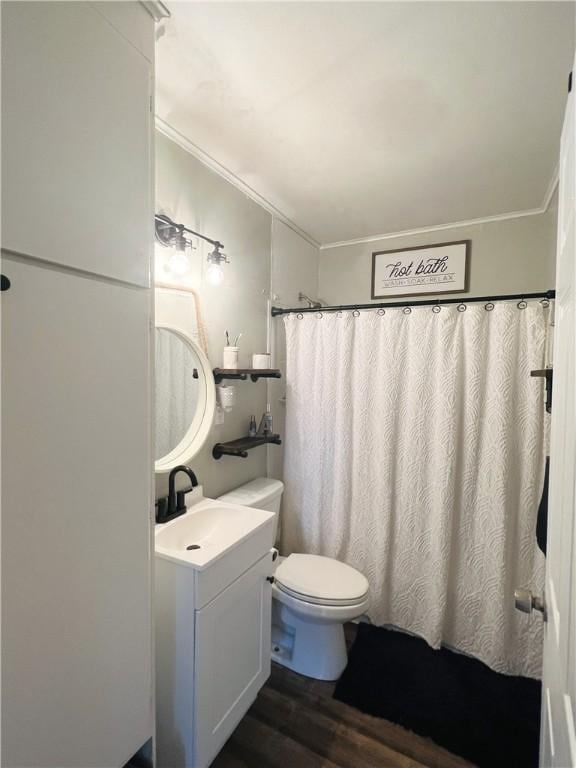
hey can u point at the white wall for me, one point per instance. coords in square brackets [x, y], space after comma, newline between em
[191, 193]
[264, 255]
[294, 269]
[512, 256]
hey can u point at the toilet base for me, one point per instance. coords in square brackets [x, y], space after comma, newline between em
[314, 648]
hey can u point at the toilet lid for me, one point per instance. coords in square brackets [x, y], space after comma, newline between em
[321, 578]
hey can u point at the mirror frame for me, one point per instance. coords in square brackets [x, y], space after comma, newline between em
[199, 429]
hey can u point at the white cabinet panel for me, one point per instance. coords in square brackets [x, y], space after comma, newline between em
[132, 20]
[76, 177]
[232, 658]
[76, 468]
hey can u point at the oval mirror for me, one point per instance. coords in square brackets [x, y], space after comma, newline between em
[185, 398]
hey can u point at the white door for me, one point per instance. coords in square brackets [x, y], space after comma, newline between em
[558, 742]
[76, 464]
[232, 658]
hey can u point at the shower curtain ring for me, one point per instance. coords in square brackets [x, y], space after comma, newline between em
[381, 311]
[319, 315]
[407, 310]
[300, 316]
[545, 302]
[436, 308]
[461, 307]
[522, 304]
[356, 313]
[489, 307]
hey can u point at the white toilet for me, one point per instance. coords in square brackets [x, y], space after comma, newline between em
[313, 597]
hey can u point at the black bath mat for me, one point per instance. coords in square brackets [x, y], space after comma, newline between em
[493, 720]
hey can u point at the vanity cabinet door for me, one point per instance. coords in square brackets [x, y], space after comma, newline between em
[76, 137]
[232, 658]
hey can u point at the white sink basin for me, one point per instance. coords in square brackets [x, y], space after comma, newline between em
[211, 529]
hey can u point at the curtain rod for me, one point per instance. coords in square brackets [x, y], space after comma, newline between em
[423, 303]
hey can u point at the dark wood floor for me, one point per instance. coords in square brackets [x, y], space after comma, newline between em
[296, 722]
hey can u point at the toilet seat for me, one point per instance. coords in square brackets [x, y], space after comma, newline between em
[317, 601]
[321, 580]
[320, 612]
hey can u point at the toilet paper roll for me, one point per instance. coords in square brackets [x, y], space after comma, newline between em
[261, 360]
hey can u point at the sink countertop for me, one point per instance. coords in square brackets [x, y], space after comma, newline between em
[214, 527]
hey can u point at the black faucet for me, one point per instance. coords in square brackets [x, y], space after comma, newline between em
[174, 504]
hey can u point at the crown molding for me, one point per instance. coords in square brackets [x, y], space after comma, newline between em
[178, 138]
[551, 189]
[440, 227]
[157, 9]
[456, 224]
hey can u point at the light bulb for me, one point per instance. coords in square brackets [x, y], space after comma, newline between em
[178, 263]
[214, 274]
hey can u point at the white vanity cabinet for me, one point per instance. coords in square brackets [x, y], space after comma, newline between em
[232, 657]
[213, 630]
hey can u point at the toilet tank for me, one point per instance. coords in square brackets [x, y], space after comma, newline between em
[262, 493]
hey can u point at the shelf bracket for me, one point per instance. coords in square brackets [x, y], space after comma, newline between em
[241, 374]
[546, 373]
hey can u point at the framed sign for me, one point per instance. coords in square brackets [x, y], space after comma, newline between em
[439, 268]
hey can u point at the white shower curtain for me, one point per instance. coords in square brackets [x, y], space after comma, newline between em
[415, 453]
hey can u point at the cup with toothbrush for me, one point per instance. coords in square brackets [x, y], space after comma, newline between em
[230, 352]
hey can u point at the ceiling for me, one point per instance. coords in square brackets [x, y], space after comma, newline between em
[357, 119]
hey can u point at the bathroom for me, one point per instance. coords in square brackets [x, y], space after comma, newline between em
[273, 493]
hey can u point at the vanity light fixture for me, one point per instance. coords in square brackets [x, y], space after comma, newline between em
[178, 262]
[215, 273]
[173, 235]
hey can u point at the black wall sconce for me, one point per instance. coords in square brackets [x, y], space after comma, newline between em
[173, 235]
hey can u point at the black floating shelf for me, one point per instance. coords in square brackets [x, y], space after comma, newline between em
[241, 446]
[243, 373]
